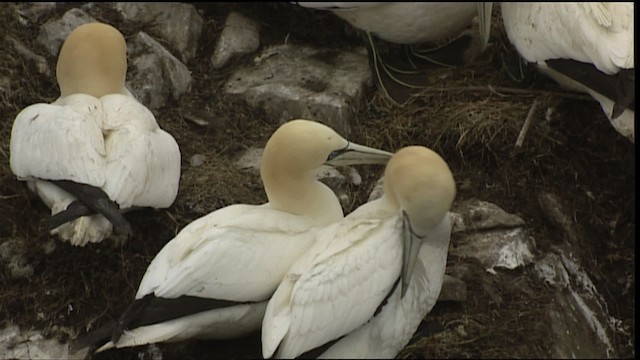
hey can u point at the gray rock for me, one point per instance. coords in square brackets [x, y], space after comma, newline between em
[197, 160]
[5, 84]
[579, 321]
[179, 25]
[240, 36]
[453, 289]
[40, 62]
[378, 190]
[12, 257]
[147, 82]
[53, 33]
[482, 215]
[250, 160]
[504, 248]
[289, 82]
[32, 344]
[558, 215]
[155, 74]
[32, 12]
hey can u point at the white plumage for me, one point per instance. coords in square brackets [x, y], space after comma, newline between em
[95, 133]
[239, 253]
[598, 33]
[405, 22]
[396, 243]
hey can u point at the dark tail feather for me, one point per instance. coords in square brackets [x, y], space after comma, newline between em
[626, 92]
[94, 338]
[133, 312]
[97, 200]
[75, 210]
[154, 310]
[620, 88]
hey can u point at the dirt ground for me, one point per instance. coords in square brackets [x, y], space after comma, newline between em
[577, 156]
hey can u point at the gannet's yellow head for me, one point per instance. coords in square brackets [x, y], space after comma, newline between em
[93, 61]
[296, 150]
[420, 183]
[298, 147]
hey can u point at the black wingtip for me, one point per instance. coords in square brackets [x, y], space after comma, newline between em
[95, 338]
[97, 200]
[625, 92]
[75, 210]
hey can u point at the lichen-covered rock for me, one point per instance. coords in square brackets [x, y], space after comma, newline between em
[179, 25]
[53, 33]
[290, 81]
[154, 73]
[240, 36]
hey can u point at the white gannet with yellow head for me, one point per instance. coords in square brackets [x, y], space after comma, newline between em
[95, 151]
[364, 287]
[584, 46]
[213, 280]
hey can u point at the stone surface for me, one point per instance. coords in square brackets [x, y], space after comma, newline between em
[53, 33]
[289, 82]
[578, 318]
[557, 214]
[504, 248]
[197, 160]
[17, 344]
[482, 215]
[31, 12]
[179, 25]
[240, 36]
[40, 62]
[155, 74]
[453, 289]
[13, 260]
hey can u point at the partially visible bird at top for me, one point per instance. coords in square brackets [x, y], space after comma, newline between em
[95, 151]
[410, 23]
[213, 280]
[366, 284]
[584, 46]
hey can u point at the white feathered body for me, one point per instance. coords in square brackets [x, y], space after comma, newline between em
[591, 32]
[384, 336]
[405, 23]
[335, 288]
[600, 33]
[113, 143]
[238, 253]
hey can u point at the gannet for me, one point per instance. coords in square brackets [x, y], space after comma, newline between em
[408, 23]
[364, 287]
[213, 280]
[95, 149]
[584, 46]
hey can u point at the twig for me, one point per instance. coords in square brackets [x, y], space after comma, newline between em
[527, 124]
[196, 120]
[504, 91]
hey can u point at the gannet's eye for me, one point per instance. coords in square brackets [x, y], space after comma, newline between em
[333, 154]
[338, 152]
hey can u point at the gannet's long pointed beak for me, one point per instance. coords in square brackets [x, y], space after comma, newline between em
[484, 19]
[354, 154]
[410, 250]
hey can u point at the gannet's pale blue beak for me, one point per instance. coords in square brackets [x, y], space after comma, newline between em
[354, 154]
[410, 250]
[484, 19]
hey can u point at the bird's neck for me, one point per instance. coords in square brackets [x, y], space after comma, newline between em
[303, 196]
